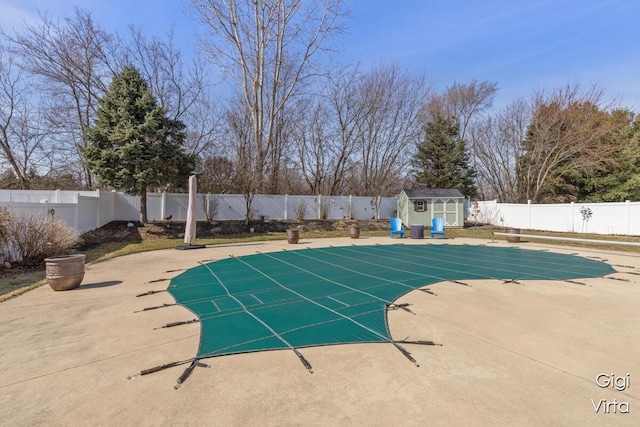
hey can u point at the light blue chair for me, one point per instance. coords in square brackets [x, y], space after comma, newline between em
[396, 227]
[437, 227]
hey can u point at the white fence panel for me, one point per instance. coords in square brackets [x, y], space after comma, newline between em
[594, 218]
[633, 218]
[176, 205]
[42, 196]
[555, 217]
[65, 211]
[342, 208]
[291, 205]
[335, 207]
[268, 206]
[86, 215]
[513, 215]
[388, 207]
[106, 207]
[230, 206]
[364, 207]
[605, 218]
[26, 208]
[127, 207]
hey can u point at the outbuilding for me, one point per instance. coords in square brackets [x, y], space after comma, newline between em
[419, 206]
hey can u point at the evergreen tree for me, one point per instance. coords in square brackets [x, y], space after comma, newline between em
[134, 146]
[621, 180]
[442, 160]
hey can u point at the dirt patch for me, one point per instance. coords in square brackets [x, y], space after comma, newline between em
[123, 231]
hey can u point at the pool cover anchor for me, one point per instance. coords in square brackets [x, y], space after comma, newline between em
[150, 293]
[163, 367]
[635, 273]
[428, 291]
[457, 282]
[505, 282]
[406, 353]
[171, 325]
[304, 361]
[404, 306]
[617, 278]
[155, 307]
[187, 372]
[419, 342]
[156, 281]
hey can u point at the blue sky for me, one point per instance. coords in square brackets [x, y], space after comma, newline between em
[521, 45]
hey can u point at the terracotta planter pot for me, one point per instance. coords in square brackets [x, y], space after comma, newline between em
[354, 232]
[65, 272]
[513, 239]
[293, 234]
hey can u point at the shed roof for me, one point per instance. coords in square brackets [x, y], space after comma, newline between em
[433, 192]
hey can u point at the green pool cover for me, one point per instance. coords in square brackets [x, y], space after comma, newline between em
[312, 297]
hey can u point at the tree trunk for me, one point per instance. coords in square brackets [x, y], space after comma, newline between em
[143, 204]
[248, 199]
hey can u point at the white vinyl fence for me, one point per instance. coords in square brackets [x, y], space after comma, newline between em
[594, 218]
[86, 210]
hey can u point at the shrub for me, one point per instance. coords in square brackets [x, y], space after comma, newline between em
[210, 206]
[30, 239]
[300, 209]
[4, 247]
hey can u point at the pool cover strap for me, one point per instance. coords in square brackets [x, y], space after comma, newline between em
[172, 324]
[187, 372]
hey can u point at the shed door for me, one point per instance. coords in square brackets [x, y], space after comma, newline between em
[447, 209]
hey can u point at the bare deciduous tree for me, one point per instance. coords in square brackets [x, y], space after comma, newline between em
[72, 58]
[389, 127]
[267, 47]
[497, 144]
[239, 136]
[466, 103]
[311, 146]
[347, 110]
[570, 130]
[184, 92]
[23, 130]
[328, 134]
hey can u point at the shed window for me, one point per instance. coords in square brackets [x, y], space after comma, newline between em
[419, 206]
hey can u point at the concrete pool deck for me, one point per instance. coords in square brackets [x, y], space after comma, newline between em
[513, 354]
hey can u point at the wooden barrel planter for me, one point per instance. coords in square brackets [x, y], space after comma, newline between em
[354, 232]
[513, 239]
[293, 235]
[65, 272]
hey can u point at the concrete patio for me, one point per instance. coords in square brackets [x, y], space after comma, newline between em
[512, 354]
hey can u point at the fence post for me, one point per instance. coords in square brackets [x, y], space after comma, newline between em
[98, 208]
[350, 206]
[319, 206]
[77, 211]
[628, 203]
[573, 217]
[529, 214]
[286, 206]
[162, 205]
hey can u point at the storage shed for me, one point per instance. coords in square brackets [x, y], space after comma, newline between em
[418, 207]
